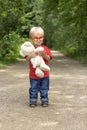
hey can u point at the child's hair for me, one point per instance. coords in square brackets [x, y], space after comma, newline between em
[34, 30]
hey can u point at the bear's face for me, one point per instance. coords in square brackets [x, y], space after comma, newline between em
[27, 48]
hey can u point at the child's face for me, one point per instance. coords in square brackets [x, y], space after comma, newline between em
[37, 39]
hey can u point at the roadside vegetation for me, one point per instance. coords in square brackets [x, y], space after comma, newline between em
[65, 25]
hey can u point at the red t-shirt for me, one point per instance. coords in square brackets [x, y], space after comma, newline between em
[32, 70]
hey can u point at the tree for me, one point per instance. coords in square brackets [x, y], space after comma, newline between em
[16, 18]
[66, 24]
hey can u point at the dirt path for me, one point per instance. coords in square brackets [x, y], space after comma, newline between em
[68, 97]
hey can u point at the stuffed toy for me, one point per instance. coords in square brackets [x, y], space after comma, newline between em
[37, 62]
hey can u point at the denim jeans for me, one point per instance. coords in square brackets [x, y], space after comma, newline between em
[39, 85]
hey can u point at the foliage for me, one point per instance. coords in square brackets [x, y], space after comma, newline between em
[9, 47]
[16, 18]
[64, 23]
[66, 26]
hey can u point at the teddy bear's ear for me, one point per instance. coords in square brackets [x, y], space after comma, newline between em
[27, 43]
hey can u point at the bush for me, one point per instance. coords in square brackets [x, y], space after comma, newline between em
[70, 50]
[9, 47]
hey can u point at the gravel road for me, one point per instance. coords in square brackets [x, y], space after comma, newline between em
[67, 97]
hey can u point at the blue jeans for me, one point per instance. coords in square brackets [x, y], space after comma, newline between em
[39, 85]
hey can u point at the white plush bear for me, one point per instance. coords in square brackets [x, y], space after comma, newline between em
[37, 61]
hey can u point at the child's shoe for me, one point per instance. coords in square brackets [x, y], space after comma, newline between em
[33, 104]
[44, 104]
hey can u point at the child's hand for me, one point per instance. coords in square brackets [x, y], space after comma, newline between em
[42, 53]
[32, 55]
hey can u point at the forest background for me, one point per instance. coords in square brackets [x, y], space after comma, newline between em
[64, 23]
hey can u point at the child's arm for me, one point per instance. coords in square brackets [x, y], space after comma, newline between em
[28, 57]
[44, 55]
